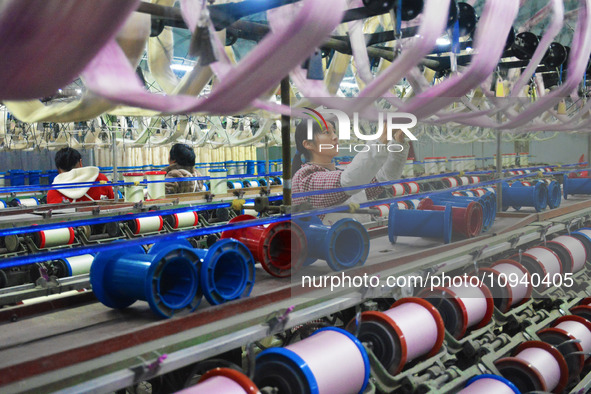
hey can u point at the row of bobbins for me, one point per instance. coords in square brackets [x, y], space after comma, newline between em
[282, 247]
[412, 329]
[384, 209]
[557, 359]
[404, 188]
[67, 235]
[546, 365]
[156, 187]
[452, 181]
[535, 365]
[465, 304]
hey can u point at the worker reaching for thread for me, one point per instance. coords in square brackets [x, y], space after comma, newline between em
[317, 171]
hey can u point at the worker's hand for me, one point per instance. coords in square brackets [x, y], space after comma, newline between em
[399, 136]
[384, 137]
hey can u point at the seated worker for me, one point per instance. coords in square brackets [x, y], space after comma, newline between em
[69, 165]
[182, 165]
[318, 172]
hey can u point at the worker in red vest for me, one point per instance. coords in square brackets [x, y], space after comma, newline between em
[70, 171]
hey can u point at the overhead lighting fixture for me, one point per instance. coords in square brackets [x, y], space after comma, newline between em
[443, 41]
[181, 67]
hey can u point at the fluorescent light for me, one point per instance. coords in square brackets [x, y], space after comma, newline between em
[181, 67]
[78, 91]
[442, 41]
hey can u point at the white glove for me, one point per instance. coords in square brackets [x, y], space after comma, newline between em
[364, 166]
[392, 169]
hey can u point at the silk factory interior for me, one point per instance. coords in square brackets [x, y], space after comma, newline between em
[295, 196]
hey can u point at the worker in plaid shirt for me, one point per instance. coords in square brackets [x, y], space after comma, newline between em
[318, 171]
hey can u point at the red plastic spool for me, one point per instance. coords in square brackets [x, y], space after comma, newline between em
[465, 220]
[272, 245]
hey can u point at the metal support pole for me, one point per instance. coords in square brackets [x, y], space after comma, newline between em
[588, 150]
[286, 143]
[267, 168]
[115, 175]
[499, 173]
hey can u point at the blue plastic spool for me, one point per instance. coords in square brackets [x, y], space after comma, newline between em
[576, 186]
[34, 177]
[51, 174]
[277, 180]
[167, 277]
[295, 372]
[495, 377]
[492, 200]
[343, 245]
[519, 196]
[584, 238]
[554, 195]
[250, 166]
[417, 223]
[3, 204]
[44, 179]
[17, 177]
[276, 367]
[260, 167]
[227, 271]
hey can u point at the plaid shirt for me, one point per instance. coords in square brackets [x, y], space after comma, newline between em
[313, 177]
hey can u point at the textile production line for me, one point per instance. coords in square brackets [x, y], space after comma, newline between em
[470, 274]
[269, 295]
